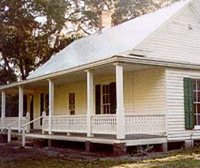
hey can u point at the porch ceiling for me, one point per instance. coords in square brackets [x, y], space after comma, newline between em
[99, 71]
[108, 69]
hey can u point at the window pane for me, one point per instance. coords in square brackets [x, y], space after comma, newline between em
[198, 108]
[108, 88]
[195, 111]
[104, 109]
[104, 89]
[198, 85]
[194, 83]
[195, 97]
[198, 120]
[198, 96]
[104, 99]
[195, 119]
[108, 98]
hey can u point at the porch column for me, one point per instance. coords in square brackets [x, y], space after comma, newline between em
[3, 108]
[90, 101]
[3, 104]
[21, 106]
[120, 114]
[51, 104]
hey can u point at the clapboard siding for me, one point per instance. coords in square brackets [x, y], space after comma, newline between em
[144, 92]
[149, 91]
[175, 104]
[174, 40]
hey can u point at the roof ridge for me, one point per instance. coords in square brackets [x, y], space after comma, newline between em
[112, 41]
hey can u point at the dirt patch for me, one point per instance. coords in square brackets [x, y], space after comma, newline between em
[13, 156]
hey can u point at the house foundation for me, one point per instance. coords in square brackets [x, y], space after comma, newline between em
[119, 149]
[189, 144]
[165, 147]
[89, 146]
[3, 138]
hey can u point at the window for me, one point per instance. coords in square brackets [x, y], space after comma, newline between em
[72, 103]
[106, 99]
[196, 91]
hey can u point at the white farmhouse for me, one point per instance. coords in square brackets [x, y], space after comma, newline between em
[137, 83]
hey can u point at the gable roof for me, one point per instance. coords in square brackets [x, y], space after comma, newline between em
[110, 42]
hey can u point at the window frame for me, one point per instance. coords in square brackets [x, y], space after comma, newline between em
[196, 102]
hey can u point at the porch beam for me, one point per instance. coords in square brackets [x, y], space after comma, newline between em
[90, 101]
[21, 106]
[120, 114]
[51, 104]
[3, 104]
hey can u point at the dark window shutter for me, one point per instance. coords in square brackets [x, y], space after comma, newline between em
[41, 105]
[188, 103]
[31, 110]
[46, 104]
[113, 103]
[98, 99]
[25, 105]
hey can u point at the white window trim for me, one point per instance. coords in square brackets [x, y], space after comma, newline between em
[195, 103]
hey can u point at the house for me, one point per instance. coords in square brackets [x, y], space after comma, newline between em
[137, 83]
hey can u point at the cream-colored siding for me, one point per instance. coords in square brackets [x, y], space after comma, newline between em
[176, 40]
[175, 104]
[144, 92]
[149, 91]
[36, 110]
[62, 98]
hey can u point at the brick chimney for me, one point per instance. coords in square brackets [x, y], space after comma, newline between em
[106, 19]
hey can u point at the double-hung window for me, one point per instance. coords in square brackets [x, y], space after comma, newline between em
[196, 91]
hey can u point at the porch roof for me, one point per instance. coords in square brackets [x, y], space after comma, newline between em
[125, 58]
[108, 43]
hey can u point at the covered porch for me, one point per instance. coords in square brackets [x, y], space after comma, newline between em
[65, 114]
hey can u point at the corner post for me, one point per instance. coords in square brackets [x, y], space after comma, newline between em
[3, 107]
[90, 101]
[43, 120]
[21, 106]
[28, 120]
[120, 112]
[51, 104]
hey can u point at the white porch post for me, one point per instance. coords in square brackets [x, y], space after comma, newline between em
[21, 106]
[90, 101]
[51, 104]
[3, 108]
[120, 114]
[3, 104]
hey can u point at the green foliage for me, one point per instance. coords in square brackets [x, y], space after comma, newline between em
[26, 42]
[122, 10]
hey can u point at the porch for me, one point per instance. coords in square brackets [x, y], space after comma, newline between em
[140, 129]
[125, 124]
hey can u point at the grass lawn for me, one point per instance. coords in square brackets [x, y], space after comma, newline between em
[15, 157]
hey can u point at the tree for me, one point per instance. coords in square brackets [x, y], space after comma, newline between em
[26, 42]
[33, 30]
[86, 13]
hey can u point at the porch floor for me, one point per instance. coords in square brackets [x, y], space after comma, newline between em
[130, 140]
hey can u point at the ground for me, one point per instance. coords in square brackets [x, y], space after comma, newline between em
[12, 156]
